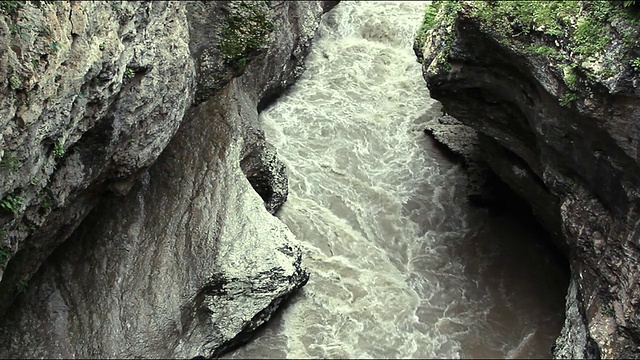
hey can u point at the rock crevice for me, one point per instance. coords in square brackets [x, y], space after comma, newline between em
[136, 181]
[563, 133]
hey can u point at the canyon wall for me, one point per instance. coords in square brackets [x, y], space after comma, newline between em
[548, 93]
[136, 187]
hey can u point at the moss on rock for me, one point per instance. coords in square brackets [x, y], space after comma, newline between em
[599, 41]
[581, 28]
[247, 30]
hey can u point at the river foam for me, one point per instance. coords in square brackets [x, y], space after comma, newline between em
[401, 266]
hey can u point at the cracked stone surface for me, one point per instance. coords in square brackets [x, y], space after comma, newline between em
[146, 184]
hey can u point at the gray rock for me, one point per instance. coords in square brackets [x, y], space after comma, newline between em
[100, 99]
[184, 265]
[574, 341]
[462, 143]
[462, 140]
[265, 172]
[576, 164]
[177, 257]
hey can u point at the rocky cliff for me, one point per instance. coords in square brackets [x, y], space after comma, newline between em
[550, 93]
[135, 182]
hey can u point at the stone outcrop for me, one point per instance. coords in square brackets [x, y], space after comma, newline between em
[129, 144]
[558, 119]
[461, 142]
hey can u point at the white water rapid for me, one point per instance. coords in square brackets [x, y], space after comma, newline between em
[400, 265]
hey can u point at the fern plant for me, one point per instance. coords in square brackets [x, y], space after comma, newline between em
[12, 203]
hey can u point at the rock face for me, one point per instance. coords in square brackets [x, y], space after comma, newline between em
[129, 145]
[562, 128]
[462, 143]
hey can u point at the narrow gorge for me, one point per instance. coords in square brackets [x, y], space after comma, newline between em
[550, 91]
[401, 265]
[130, 144]
[281, 179]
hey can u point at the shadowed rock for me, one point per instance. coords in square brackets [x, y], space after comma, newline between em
[166, 252]
[563, 133]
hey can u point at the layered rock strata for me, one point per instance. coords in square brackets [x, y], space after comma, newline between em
[129, 145]
[558, 119]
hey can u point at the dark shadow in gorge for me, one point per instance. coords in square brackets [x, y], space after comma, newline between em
[515, 261]
[508, 257]
[508, 203]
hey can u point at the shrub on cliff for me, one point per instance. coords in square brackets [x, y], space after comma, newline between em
[597, 40]
[427, 24]
[247, 30]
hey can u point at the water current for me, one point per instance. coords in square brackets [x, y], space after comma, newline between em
[401, 266]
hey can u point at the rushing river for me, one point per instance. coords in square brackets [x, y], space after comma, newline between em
[401, 266]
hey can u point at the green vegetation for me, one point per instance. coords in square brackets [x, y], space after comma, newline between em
[43, 31]
[429, 18]
[22, 98]
[584, 26]
[12, 203]
[439, 14]
[116, 6]
[635, 65]
[129, 73]
[517, 18]
[19, 23]
[5, 254]
[543, 50]
[567, 98]
[9, 161]
[591, 35]
[569, 75]
[20, 30]
[246, 31]
[583, 41]
[570, 79]
[46, 203]
[11, 7]
[21, 286]
[428, 22]
[54, 46]
[15, 82]
[58, 149]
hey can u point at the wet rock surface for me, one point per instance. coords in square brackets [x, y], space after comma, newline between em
[461, 141]
[575, 162]
[171, 255]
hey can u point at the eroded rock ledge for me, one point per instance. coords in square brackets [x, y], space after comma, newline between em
[558, 119]
[129, 144]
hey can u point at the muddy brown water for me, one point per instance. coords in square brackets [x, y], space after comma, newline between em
[401, 265]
